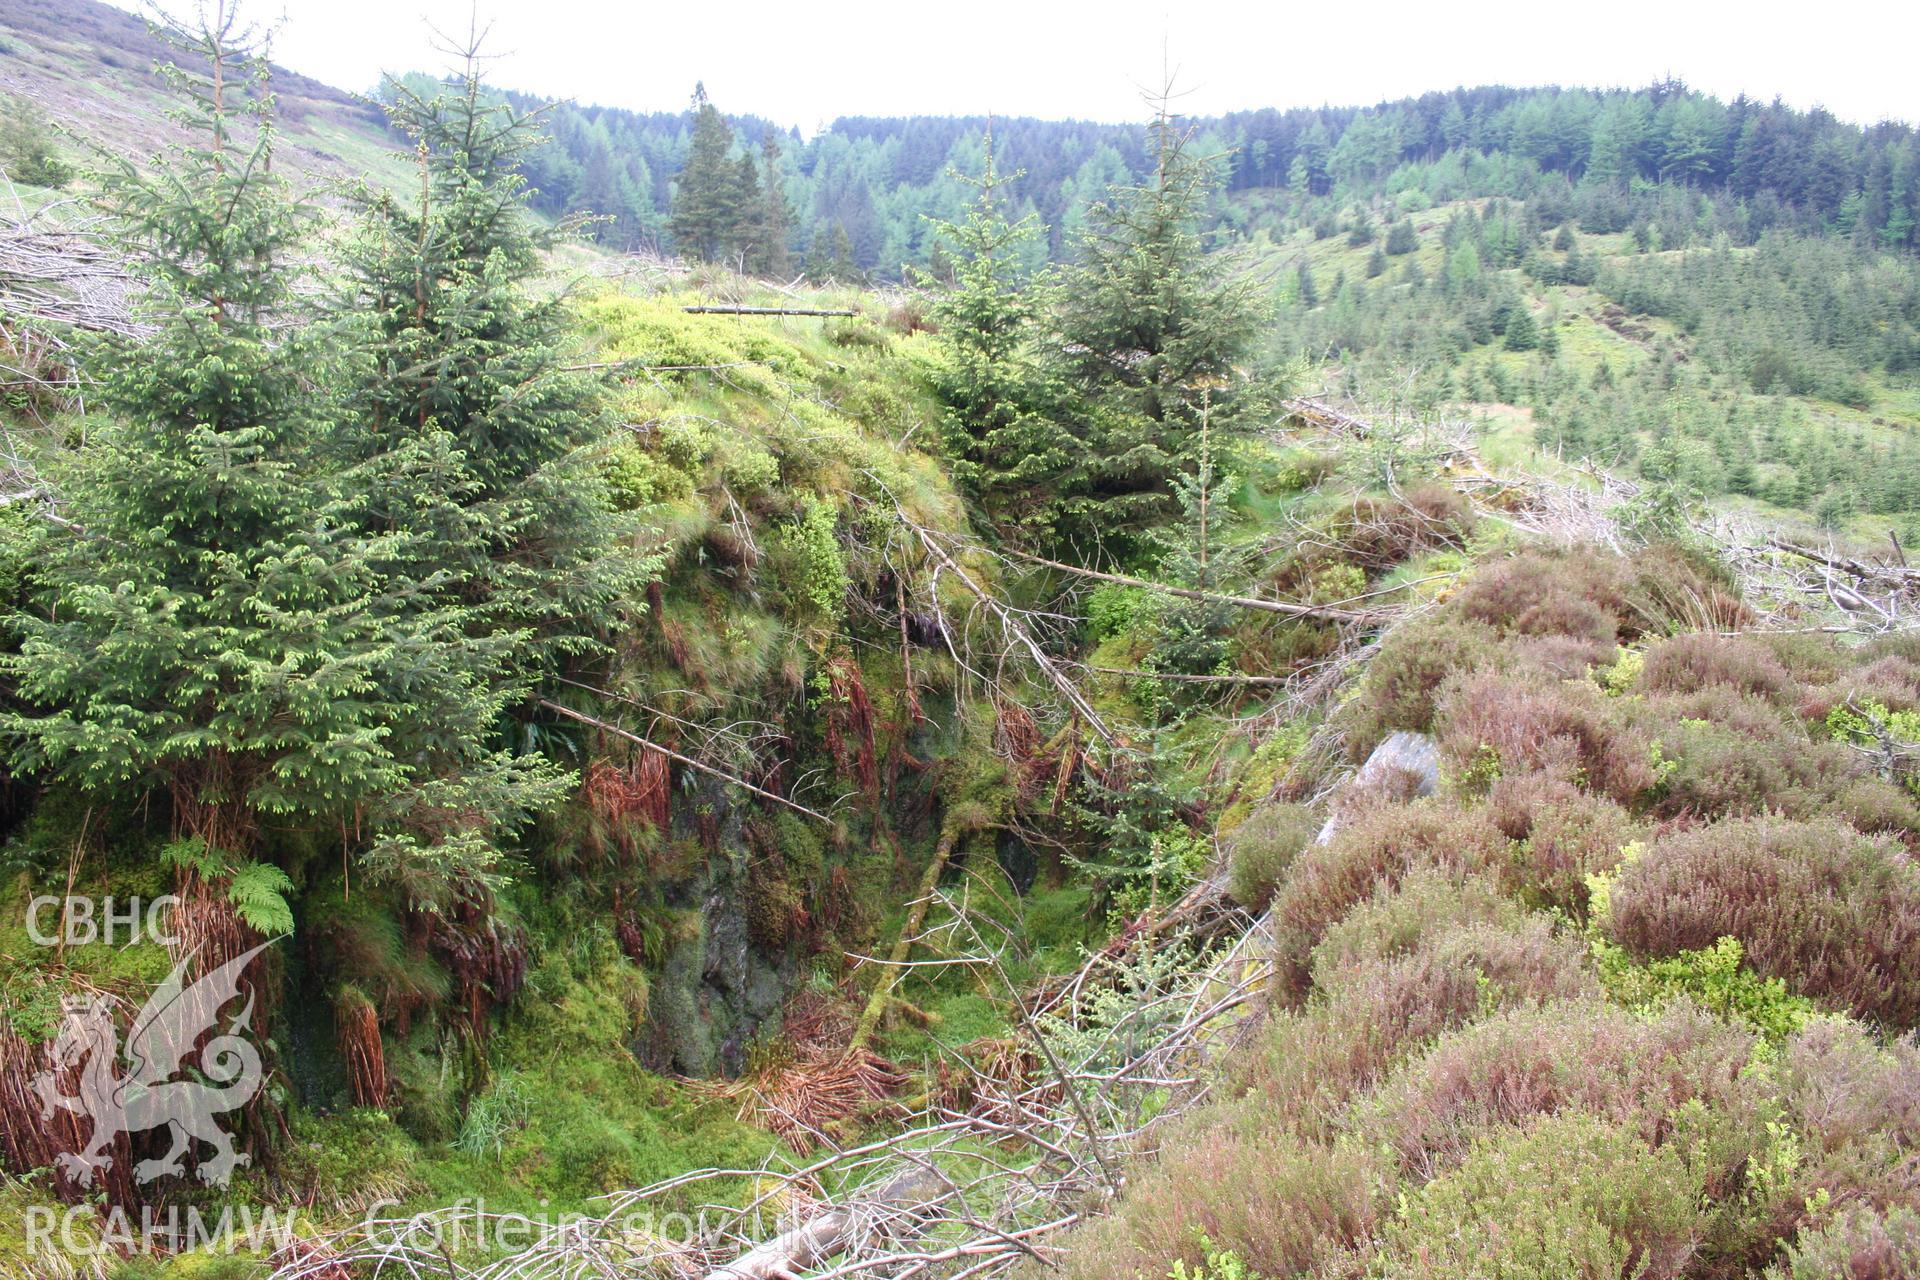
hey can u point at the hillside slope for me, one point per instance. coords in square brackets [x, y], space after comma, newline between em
[1775, 381]
[90, 68]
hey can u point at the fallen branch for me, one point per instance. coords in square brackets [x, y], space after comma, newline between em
[640, 366]
[766, 311]
[1048, 668]
[1322, 414]
[1186, 679]
[1899, 575]
[56, 272]
[1286, 608]
[608, 727]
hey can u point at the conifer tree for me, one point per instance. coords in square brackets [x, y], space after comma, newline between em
[999, 423]
[26, 146]
[940, 265]
[1195, 552]
[479, 436]
[745, 233]
[830, 261]
[1303, 283]
[773, 257]
[1151, 318]
[1522, 333]
[222, 626]
[706, 204]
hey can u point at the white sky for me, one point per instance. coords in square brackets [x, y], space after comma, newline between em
[806, 63]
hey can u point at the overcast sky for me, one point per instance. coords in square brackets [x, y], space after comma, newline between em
[806, 63]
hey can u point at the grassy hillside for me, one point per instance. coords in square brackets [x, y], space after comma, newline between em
[89, 68]
[1775, 380]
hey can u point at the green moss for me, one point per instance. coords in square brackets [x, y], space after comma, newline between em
[655, 331]
[1058, 926]
[33, 976]
[425, 1081]
[570, 1113]
[212, 1265]
[344, 1162]
[800, 843]
[955, 1019]
[23, 1204]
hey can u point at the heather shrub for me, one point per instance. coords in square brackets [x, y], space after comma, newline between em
[1492, 724]
[1581, 594]
[1566, 1197]
[1284, 1206]
[1718, 704]
[1549, 613]
[1692, 661]
[1897, 644]
[1680, 588]
[1854, 1104]
[1398, 918]
[1369, 535]
[1892, 681]
[1376, 848]
[1809, 658]
[1897, 679]
[1368, 1013]
[1903, 645]
[1560, 657]
[1575, 1056]
[1379, 788]
[1739, 757]
[1262, 848]
[1591, 593]
[1878, 807]
[1406, 673]
[1861, 1243]
[1378, 533]
[1830, 911]
[1561, 835]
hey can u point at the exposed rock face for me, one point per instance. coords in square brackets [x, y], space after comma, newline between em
[717, 988]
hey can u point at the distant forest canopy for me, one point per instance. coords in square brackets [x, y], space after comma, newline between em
[864, 190]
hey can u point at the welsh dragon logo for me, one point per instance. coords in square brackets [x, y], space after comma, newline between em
[147, 1096]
